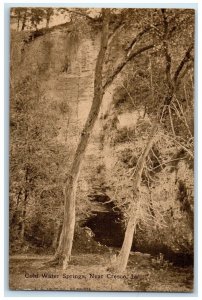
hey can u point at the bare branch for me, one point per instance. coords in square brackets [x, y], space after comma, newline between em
[171, 120]
[165, 49]
[184, 117]
[182, 146]
[113, 34]
[140, 34]
[185, 59]
[130, 97]
[168, 162]
[124, 63]
[183, 73]
[160, 164]
[137, 38]
[151, 79]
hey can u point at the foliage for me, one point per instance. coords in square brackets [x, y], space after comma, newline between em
[37, 160]
[39, 147]
[165, 204]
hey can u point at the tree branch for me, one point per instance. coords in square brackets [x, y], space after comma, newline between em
[112, 35]
[171, 120]
[185, 59]
[140, 34]
[165, 49]
[182, 146]
[123, 64]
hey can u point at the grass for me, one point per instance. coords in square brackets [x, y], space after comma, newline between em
[90, 274]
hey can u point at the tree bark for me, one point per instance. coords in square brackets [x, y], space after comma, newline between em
[56, 234]
[24, 21]
[123, 256]
[23, 217]
[63, 253]
[24, 206]
[15, 214]
[47, 21]
[49, 13]
[18, 23]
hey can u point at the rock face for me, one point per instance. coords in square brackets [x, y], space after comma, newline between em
[63, 65]
[65, 71]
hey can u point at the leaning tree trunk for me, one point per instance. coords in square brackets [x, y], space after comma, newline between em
[123, 256]
[63, 252]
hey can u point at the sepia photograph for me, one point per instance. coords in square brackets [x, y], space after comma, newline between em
[101, 149]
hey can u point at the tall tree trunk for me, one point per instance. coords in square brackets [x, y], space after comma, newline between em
[47, 21]
[24, 21]
[24, 207]
[23, 217]
[15, 214]
[122, 259]
[49, 13]
[63, 253]
[18, 23]
[123, 256]
[56, 234]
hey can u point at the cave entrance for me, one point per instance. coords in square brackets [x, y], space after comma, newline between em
[106, 222]
[108, 228]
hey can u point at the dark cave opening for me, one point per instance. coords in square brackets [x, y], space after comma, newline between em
[108, 229]
[107, 225]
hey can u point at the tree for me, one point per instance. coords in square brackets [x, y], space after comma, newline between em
[36, 16]
[17, 12]
[148, 38]
[172, 82]
[63, 252]
[48, 13]
[36, 167]
[21, 14]
[24, 18]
